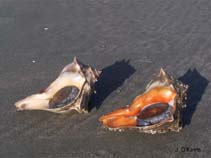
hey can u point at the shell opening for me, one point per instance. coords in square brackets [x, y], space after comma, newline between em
[158, 113]
[63, 97]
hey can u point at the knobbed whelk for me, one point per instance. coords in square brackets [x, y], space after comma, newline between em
[157, 110]
[71, 90]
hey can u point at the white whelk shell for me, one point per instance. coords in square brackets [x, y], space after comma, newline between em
[70, 91]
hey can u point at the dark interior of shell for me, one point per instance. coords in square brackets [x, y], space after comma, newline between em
[64, 97]
[153, 110]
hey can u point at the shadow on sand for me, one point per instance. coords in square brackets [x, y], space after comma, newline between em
[197, 85]
[111, 78]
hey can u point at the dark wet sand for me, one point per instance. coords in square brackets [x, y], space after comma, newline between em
[39, 37]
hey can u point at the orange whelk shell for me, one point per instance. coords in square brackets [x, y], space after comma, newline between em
[157, 110]
[71, 90]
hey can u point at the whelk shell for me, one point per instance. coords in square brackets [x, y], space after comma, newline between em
[70, 91]
[157, 110]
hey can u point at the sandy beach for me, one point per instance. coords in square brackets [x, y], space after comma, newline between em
[129, 41]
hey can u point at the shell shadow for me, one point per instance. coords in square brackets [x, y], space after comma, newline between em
[197, 85]
[110, 79]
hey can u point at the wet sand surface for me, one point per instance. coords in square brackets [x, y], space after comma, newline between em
[129, 41]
